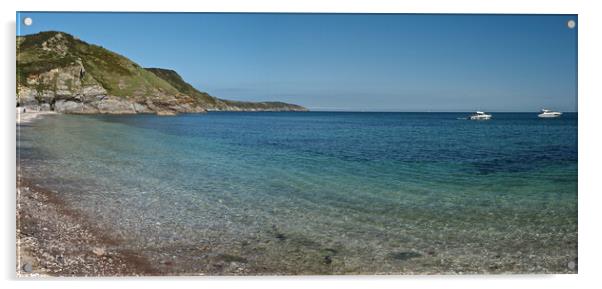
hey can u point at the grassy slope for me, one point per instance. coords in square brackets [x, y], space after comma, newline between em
[175, 80]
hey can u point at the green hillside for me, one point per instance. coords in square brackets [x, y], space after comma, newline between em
[120, 76]
[176, 81]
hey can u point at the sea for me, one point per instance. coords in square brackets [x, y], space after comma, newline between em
[319, 192]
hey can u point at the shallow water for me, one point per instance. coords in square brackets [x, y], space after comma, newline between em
[320, 192]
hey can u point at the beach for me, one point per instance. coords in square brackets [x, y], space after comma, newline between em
[54, 240]
[29, 116]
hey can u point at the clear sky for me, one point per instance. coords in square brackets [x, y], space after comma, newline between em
[387, 62]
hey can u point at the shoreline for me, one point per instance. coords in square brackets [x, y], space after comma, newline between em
[30, 116]
[55, 240]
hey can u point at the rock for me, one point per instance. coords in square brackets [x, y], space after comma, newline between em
[115, 105]
[572, 265]
[93, 92]
[141, 108]
[27, 267]
[68, 106]
[45, 107]
[99, 251]
[57, 44]
[26, 97]
[280, 236]
[402, 256]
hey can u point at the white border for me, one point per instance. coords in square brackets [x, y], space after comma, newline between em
[590, 191]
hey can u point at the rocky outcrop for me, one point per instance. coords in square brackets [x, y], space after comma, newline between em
[64, 90]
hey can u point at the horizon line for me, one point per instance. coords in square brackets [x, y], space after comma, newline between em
[429, 111]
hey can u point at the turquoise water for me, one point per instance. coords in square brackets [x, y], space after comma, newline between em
[320, 192]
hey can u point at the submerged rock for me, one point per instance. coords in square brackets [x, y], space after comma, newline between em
[27, 267]
[402, 256]
[232, 258]
[572, 265]
[280, 236]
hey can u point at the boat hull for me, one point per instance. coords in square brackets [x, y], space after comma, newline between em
[480, 118]
[542, 115]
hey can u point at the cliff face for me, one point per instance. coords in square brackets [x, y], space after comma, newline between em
[56, 71]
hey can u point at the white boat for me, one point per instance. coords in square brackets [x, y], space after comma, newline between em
[479, 115]
[546, 113]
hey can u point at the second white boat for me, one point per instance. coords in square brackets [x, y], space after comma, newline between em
[546, 113]
[479, 115]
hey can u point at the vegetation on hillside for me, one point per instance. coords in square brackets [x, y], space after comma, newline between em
[175, 80]
[120, 76]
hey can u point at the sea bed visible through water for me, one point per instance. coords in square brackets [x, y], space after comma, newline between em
[318, 192]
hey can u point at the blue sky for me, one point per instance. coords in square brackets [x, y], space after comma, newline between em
[387, 62]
